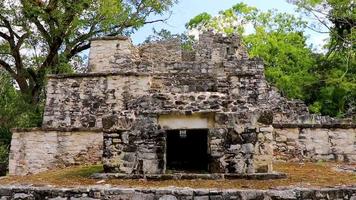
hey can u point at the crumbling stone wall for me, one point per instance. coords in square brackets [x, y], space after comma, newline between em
[161, 51]
[120, 75]
[81, 101]
[241, 150]
[36, 150]
[333, 142]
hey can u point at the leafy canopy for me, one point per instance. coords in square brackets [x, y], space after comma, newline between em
[337, 68]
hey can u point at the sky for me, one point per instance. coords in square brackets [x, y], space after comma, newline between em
[187, 9]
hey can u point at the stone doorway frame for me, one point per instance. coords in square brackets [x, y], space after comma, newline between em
[208, 153]
[180, 121]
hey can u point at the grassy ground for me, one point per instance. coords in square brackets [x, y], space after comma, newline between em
[304, 175]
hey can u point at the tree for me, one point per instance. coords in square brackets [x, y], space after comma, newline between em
[14, 110]
[337, 69]
[336, 17]
[275, 37]
[47, 36]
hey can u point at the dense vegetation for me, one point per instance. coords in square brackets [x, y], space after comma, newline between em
[40, 37]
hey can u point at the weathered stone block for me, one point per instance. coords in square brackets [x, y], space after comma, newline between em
[40, 150]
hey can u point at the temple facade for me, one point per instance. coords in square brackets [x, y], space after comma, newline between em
[163, 109]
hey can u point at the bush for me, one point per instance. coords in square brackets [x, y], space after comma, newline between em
[4, 155]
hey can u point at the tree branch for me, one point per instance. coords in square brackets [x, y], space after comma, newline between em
[8, 68]
[22, 40]
[5, 36]
[317, 31]
[15, 48]
[77, 49]
[311, 10]
[8, 26]
[42, 30]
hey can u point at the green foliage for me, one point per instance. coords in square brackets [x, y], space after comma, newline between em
[337, 69]
[14, 109]
[287, 60]
[315, 107]
[336, 90]
[4, 153]
[200, 20]
[228, 21]
[162, 35]
[336, 16]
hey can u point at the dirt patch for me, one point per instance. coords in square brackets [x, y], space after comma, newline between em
[299, 174]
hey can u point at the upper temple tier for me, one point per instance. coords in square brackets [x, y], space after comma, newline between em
[216, 76]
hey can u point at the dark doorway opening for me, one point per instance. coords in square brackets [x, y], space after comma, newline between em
[187, 150]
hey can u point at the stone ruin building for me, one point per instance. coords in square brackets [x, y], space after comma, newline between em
[158, 109]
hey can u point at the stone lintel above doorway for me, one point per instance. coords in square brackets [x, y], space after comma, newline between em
[180, 121]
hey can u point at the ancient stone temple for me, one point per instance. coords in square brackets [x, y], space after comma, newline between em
[160, 109]
[165, 109]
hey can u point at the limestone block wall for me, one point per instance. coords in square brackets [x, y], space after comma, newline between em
[162, 51]
[180, 83]
[242, 150]
[81, 102]
[135, 151]
[37, 150]
[314, 143]
[104, 53]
